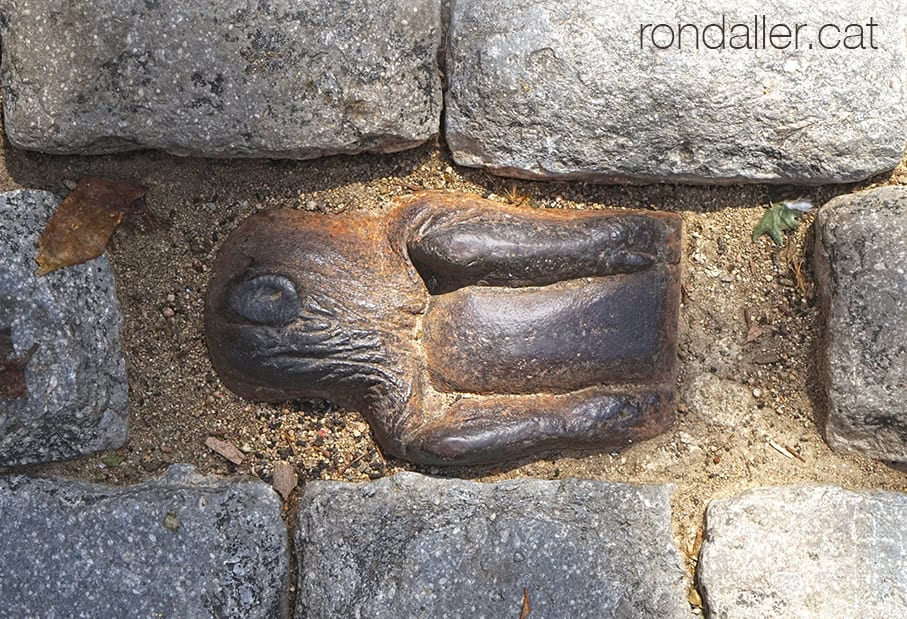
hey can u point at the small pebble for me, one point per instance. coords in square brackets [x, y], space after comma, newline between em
[168, 312]
[151, 464]
[171, 521]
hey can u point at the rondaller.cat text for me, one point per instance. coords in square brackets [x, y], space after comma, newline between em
[760, 33]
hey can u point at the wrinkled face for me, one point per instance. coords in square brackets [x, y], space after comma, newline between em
[296, 308]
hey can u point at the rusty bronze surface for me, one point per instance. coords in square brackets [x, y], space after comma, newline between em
[465, 332]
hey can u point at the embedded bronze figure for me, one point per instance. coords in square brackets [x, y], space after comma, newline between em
[465, 332]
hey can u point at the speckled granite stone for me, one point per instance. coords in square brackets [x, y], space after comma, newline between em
[417, 546]
[180, 546]
[76, 379]
[805, 552]
[861, 272]
[543, 89]
[232, 78]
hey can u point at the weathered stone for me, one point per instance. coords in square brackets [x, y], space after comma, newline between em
[76, 389]
[718, 400]
[861, 271]
[465, 331]
[809, 552]
[541, 89]
[180, 546]
[416, 546]
[233, 78]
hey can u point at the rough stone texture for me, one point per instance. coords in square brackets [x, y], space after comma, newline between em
[180, 546]
[717, 400]
[76, 379]
[563, 90]
[234, 78]
[416, 546]
[805, 552]
[861, 268]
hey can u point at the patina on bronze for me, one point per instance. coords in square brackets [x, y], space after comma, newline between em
[465, 332]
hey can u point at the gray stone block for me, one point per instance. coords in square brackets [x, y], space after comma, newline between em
[76, 379]
[233, 78]
[180, 546]
[861, 272]
[541, 89]
[416, 546]
[806, 552]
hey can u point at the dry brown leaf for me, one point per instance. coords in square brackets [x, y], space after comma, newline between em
[754, 333]
[290, 437]
[766, 358]
[795, 266]
[285, 478]
[515, 197]
[695, 545]
[527, 608]
[227, 450]
[12, 369]
[82, 225]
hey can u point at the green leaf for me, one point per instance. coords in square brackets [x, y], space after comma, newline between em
[777, 220]
[112, 460]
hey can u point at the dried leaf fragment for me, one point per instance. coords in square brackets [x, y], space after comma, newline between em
[754, 333]
[82, 225]
[171, 521]
[12, 381]
[12, 368]
[6, 343]
[795, 266]
[766, 358]
[225, 449]
[285, 478]
[527, 608]
[695, 545]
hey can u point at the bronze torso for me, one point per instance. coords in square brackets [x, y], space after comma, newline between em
[466, 332]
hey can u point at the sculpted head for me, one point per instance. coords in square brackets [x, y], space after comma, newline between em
[300, 310]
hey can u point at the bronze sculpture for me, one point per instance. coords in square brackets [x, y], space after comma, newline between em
[465, 332]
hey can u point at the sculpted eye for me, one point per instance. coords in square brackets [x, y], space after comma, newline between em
[266, 299]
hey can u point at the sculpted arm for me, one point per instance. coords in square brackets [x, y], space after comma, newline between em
[493, 248]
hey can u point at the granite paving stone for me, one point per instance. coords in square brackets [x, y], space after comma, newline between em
[417, 546]
[75, 400]
[861, 272]
[233, 78]
[583, 90]
[183, 545]
[806, 552]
